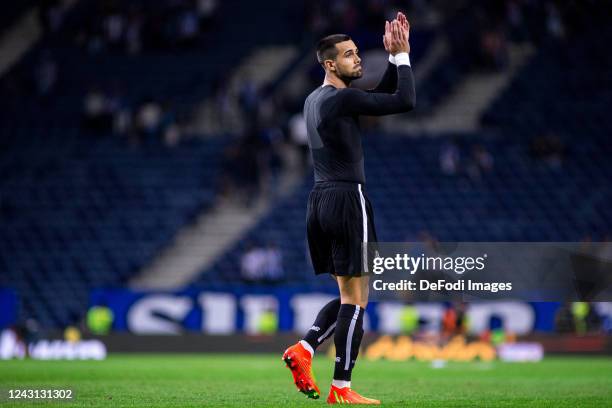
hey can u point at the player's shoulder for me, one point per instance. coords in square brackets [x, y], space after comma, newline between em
[347, 92]
[346, 96]
[320, 96]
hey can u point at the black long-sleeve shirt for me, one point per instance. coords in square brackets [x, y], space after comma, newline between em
[332, 114]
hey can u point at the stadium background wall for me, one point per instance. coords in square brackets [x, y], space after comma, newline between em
[234, 309]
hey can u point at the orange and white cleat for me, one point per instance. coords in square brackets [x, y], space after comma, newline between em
[348, 396]
[299, 361]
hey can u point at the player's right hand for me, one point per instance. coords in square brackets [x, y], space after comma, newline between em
[395, 38]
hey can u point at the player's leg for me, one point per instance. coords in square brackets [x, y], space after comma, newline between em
[323, 326]
[298, 357]
[347, 339]
[320, 246]
[349, 328]
[351, 259]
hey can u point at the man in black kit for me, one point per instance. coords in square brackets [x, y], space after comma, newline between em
[340, 218]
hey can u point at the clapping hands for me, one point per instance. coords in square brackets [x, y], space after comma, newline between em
[397, 32]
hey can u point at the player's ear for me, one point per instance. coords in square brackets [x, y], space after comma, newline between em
[330, 65]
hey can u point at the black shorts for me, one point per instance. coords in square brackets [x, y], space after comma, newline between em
[339, 221]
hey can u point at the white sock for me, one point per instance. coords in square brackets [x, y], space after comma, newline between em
[308, 347]
[341, 383]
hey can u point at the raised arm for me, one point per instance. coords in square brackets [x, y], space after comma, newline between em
[358, 102]
[388, 82]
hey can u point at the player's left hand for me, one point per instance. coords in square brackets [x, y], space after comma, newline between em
[404, 24]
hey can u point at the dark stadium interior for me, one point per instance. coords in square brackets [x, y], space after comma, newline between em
[91, 191]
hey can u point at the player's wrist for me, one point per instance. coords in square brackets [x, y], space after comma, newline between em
[392, 59]
[402, 58]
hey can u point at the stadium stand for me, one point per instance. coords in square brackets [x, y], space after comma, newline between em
[78, 214]
[83, 209]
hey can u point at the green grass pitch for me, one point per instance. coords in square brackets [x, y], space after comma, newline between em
[263, 381]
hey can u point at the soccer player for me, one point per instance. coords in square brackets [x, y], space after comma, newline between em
[340, 219]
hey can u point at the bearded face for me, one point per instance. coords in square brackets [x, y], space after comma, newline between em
[347, 64]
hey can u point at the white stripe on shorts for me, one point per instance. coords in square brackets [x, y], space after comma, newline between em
[364, 216]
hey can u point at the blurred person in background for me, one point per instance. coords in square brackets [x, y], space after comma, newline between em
[252, 264]
[274, 271]
[577, 317]
[299, 138]
[449, 158]
[99, 319]
[51, 15]
[46, 75]
[262, 264]
[454, 320]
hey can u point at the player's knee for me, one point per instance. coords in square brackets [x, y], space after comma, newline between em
[353, 290]
[364, 302]
[354, 298]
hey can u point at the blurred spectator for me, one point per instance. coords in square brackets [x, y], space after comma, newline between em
[222, 105]
[494, 50]
[206, 11]
[114, 26]
[248, 100]
[268, 322]
[483, 158]
[12, 344]
[481, 162]
[454, 320]
[516, 21]
[262, 265]
[172, 135]
[132, 28]
[31, 330]
[409, 319]
[274, 263]
[268, 144]
[106, 112]
[564, 320]
[449, 158]
[577, 317]
[252, 163]
[550, 149]
[99, 319]
[252, 264]
[299, 138]
[585, 318]
[316, 21]
[46, 75]
[120, 111]
[239, 172]
[148, 118]
[51, 15]
[133, 34]
[95, 111]
[554, 23]
[72, 334]
[188, 28]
